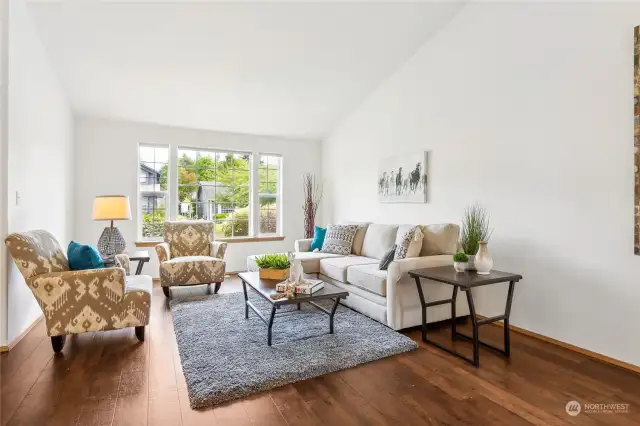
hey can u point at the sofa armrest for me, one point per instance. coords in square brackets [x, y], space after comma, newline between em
[163, 251]
[302, 245]
[401, 267]
[218, 249]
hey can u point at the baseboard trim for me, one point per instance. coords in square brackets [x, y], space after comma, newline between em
[17, 339]
[595, 355]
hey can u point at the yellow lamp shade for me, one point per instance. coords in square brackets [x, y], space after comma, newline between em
[111, 207]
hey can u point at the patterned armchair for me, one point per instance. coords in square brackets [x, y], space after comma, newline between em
[189, 256]
[76, 302]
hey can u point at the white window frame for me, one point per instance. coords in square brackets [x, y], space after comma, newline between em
[171, 194]
[167, 193]
[174, 211]
[277, 196]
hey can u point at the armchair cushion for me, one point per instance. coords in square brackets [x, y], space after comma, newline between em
[190, 270]
[83, 256]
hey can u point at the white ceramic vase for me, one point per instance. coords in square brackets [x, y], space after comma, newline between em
[460, 266]
[483, 261]
[297, 272]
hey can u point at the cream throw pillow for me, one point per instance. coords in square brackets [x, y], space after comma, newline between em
[409, 244]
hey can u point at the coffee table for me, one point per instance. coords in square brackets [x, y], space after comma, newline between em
[266, 288]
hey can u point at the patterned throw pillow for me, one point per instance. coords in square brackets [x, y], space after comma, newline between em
[338, 239]
[387, 258]
[410, 244]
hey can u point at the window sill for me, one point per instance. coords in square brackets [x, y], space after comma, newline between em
[226, 240]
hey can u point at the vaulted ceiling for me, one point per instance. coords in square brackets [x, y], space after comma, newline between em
[289, 69]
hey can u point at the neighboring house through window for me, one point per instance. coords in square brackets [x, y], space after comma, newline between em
[152, 187]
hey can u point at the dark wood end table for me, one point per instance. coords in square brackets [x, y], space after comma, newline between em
[140, 256]
[465, 281]
[266, 288]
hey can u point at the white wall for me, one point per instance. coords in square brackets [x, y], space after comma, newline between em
[528, 109]
[106, 163]
[4, 62]
[40, 154]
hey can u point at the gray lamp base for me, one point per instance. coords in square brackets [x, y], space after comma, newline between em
[111, 242]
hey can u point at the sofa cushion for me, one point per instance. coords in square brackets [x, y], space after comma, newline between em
[378, 240]
[358, 240]
[368, 277]
[310, 261]
[318, 238]
[408, 242]
[336, 267]
[440, 239]
[387, 258]
[339, 239]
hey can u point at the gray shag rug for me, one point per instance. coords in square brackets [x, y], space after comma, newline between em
[225, 356]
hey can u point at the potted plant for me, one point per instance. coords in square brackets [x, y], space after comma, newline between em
[475, 228]
[460, 261]
[273, 266]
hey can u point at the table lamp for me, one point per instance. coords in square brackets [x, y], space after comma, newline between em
[111, 207]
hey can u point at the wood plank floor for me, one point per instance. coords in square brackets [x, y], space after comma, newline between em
[111, 379]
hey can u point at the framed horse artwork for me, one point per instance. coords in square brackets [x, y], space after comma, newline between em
[403, 178]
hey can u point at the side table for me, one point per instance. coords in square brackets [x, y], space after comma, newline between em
[465, 281]
[140, 256]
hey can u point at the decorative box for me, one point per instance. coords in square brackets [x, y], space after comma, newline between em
[282, 287]
[309, 288]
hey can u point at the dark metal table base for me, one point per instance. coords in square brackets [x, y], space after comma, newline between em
[476, 323]
[269, 322]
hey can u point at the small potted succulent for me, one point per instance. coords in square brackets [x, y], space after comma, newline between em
[460, 262]
[273, 266]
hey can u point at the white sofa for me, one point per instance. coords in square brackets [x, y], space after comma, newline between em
[390, 296]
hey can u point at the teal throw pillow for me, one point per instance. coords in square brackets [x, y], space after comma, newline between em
[82, 256]
[318, 237]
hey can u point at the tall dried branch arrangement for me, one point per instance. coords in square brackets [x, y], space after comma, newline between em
[312, 197]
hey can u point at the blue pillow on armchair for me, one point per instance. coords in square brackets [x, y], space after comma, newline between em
[83, 256]
[318, 237]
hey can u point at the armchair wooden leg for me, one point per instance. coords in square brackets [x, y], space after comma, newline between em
[57, 342]
[165, 290]
[140, 331]
[217, 288]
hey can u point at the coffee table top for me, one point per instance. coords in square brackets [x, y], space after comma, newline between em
[268, 287]
[447, 274]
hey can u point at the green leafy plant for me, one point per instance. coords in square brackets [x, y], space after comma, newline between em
[460, 257]
[475, 228]
[273, 261]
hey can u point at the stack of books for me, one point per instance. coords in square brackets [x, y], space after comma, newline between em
[305, 287]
